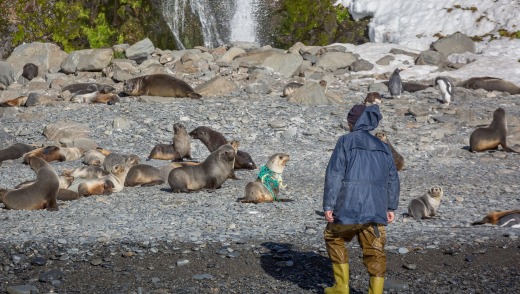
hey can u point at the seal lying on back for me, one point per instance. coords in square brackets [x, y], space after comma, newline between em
[426, 206]
[180, 149]
[55, 153]
[269, 181]
[39, 195]
[95, 157]
[15, 151]
[506, 218]
[490, 84]
[210, 174]
[213, 139]
[159, 85]
[95, 97]
[490, 137]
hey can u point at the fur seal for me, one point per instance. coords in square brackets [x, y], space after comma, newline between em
[86, 172]
[95, 157]
[398, 158]
[395, 85]
[490, 137]
[143, 175]
[18, 101]
[55, 153]
[164, 171]
[159, 85]
[95, 97]
[270, 176]
[291, 87]
[446, 88]
[39, 195]
[426, 206]
[210, 174]
[213, 139]
[83, 88]
[30, 71]
[180, 149]
[113, 158]
[15, 151]
[372, 98]
[111, 183]
[490, 84]
[506, 218]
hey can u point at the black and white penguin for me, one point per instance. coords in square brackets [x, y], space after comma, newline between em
[446, 88]
[395, 86]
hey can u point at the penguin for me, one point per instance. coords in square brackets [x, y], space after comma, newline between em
[395, 86]
[446, 88]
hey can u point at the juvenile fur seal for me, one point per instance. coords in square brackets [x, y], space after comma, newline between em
[490, 84]
[506, 218]
[180, 149]
[490, 137]
[210, 174]
[269, 181]
[30, 71]
[95, 157]
[395, 85]
[95, 97]
[291, 87]
[164, 171]
[39, 195]
[18, 101]
[426, 206]
[143, 175]
[15, 151]
[159, 85]
[83, 88]
[55, 153]
[86, 172]
[113, 159]
[213, 139]
[372, 98]
[398, 158]
[111, 183]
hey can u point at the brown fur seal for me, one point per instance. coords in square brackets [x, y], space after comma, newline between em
[143, 175]
[270, 175]
[55, 153]
[64, 180]
[18, 101]
[210, 174]
[398, 158]
[159, 85]
[15, 151]
[164, 171]
[506, 218]
[426, 206]
[30, 71]
[490, 84]
[113, 158]
[180, 149]
[96, 97]
[490, 137]
[83, 88]
[372, 98]
[86, 172]
[111, 183]
[95, 157]
[213, 139]
[39, 195]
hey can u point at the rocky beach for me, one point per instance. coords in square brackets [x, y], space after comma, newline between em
[150, 240]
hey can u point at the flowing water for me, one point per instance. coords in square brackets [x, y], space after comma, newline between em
[243, 23]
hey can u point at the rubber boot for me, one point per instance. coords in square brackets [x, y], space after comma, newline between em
[376, 285]
[341, 276]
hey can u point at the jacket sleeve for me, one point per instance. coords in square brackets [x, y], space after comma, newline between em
[394, 186]
[334, 175]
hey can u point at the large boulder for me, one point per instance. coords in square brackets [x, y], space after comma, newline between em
[286, 64]
[218, 86]
[430, 57]
[332, 61]
[6, 73]
[455, 43]
[140, 50]
[62, 129]
[87, 60]
[45, 55]
[310, 93]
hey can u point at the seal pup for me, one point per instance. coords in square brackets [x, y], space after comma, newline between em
[15, 151]
[112, 183]
[164, 171]
[506, 218]
[95, 97]
[426, 206]
[48, 153]
[446, 88]
[159, 85]
[210, 174]
[18, 101]
[398, 158]
[395, 85]
[490, 137]
[95, 157]
[290, 88]
[86, 172]
[269, 181]
[143, 175]
[213, 139]
[490, 84]
[84, 88]
[113, 158]
[180, 149]
[30, 71]
[39, 195]
[372, 98]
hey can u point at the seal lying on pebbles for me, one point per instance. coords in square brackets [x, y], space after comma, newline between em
[95, 157]
[15, 151]
[39, 195]
[213, 140]
[490, 84]
[269, 181]
[18, 101]
[95, 97]
[164, 171]
[84, 88]
[111, 183]
[86, 172]
[426, 206]
[398, 158]
[180, 149]
[143, 175]
[113, 158]
[506, 218]
[210, 174]
[159, 85]
[291, 87]
[55, 153]
[491, 137]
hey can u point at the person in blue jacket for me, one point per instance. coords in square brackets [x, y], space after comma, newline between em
[360, 195]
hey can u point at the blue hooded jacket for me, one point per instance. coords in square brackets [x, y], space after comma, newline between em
[361, 181]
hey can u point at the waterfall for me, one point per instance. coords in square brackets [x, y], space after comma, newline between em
[243, 24]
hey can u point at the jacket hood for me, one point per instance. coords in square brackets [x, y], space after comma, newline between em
[369, 119]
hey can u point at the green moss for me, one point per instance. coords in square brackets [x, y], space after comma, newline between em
[100, 35]
[119, 55]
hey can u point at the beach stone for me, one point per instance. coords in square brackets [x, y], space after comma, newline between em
[22, 289]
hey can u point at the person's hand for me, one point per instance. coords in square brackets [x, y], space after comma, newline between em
[328, 216]
[390, 216]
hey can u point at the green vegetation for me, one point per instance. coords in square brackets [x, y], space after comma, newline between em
[505, 33]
